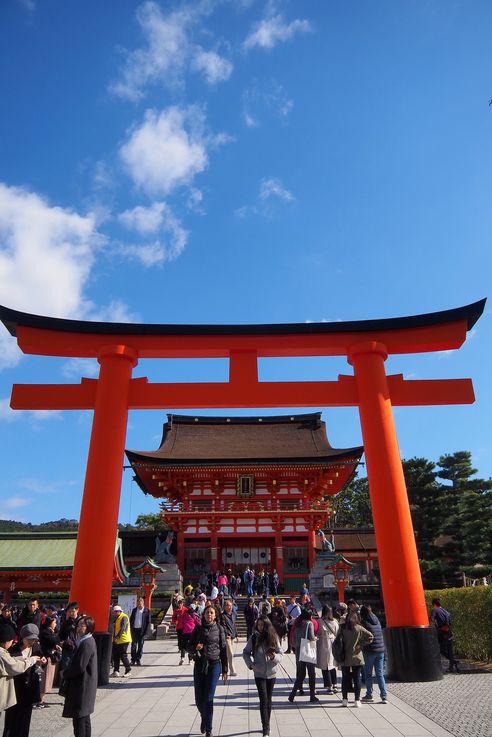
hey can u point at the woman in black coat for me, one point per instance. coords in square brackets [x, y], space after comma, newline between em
[80, 680]
[208, 646]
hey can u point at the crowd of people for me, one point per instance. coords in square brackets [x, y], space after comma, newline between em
[36, 642]
[41, 645]
[236, 583]
[348, 637]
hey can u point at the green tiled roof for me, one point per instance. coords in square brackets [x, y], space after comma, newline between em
[37, 550]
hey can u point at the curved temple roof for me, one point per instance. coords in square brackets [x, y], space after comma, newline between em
[195, 439]
[13, 318]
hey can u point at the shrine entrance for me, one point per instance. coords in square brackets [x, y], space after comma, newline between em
[411, 643]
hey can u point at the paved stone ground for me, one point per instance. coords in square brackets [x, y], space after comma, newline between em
[158, 700]
[461, 702]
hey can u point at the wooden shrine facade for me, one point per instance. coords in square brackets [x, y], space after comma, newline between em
[242, 491]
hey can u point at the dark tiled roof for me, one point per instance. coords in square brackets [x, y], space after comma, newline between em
[290, 437]
[13, 318]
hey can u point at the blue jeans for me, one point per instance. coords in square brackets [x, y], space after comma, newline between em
[249, 588]
[376, 661]
[205, 685]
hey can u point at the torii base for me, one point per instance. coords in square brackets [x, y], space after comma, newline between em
[412, 654]
[104, 645]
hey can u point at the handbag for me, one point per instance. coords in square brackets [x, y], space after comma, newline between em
[307, 651]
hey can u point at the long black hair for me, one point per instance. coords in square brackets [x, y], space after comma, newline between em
[267, 637]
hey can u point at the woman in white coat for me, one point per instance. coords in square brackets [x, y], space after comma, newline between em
[327, 631]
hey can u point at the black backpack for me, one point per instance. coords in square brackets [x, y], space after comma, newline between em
[338, 648]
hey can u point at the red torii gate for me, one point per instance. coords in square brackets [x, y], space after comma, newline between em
[366, 344]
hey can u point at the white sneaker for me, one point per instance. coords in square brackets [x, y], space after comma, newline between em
[344, 702]
[127, 675]
[357, 704]
[115, 674]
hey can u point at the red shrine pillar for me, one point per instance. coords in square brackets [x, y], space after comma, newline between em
[93, 566]
[401, 581]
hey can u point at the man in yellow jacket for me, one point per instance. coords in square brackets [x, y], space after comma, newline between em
[121, 639]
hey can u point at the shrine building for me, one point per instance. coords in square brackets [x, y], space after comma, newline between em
[245, 491]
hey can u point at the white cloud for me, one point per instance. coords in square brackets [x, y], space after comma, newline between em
[274, 188]
[10, 504]
[75, 368]
[14, 502]
[168, 51]
[167, 150]
[46, 254]
[273, 30]
[102, 177]
[150, 220]
[114, 311]
[164, 55]
[268, 99]
[215, 68]
[11, 415]
[195, 201]
[250, 121]
[271, 189]
[148, 254]
[144, 220]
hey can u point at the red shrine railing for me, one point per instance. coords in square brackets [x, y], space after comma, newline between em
[222, 506]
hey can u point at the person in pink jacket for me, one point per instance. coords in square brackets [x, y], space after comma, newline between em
[188, 620]
[222, 582]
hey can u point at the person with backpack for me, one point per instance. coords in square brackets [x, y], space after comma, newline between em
[441, 619]
[248, 579]
[373, 655]
[208, 649]
[347, 650]
[303, 629]
[262, 654]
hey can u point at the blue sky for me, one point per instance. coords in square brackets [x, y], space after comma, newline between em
[238, 161]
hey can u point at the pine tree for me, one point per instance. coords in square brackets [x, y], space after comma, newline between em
[425, 499]
[352, 505]
[466, 515]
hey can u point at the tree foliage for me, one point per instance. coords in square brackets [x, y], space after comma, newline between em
[149, 522]
[60, 525]
[451, 512]
[352, 506]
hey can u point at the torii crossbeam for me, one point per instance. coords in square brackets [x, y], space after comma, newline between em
[366, 344]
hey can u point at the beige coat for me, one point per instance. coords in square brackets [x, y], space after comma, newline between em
[10, 667]
[327, 631]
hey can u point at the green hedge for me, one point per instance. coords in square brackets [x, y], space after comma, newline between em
[471, 613]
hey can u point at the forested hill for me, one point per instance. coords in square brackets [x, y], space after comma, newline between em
[60, 525]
